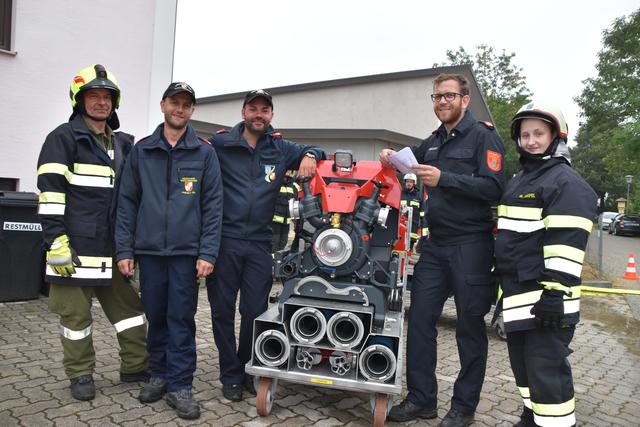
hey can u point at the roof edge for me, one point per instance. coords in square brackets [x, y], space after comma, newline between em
[344, 82]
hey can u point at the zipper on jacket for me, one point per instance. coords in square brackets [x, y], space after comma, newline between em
[166, 213]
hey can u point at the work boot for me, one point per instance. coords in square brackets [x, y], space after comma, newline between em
[407, 411]
[526, 419]
[457, 418]
[83, 388]
[153, 390]
[249, 386]
[185, 405]
[135, 377]
[233, 392]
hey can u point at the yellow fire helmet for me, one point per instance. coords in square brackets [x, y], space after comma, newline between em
[94, 77]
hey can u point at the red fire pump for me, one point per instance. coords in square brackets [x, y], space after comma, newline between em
[339, 318]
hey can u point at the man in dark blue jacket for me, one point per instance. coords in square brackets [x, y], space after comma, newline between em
[168, 219]
[253, 160]
[461, 164]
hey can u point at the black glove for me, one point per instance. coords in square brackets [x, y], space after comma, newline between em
[549, 310]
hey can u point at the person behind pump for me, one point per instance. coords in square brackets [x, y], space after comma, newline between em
[76, 170]
[169, 218]
[281, 218]
[253, 160]
[461, 164]
[412, 197]
[543, 228]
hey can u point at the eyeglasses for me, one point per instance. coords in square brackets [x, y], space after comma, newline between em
[449, 96]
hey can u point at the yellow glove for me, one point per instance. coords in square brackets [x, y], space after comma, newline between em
[62, 258]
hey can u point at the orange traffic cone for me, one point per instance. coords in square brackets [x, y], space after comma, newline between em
[631, 273]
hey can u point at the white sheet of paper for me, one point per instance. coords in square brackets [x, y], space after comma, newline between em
[403, 160]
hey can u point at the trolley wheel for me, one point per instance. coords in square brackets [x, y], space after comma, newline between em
[264, 396]
[380, 410]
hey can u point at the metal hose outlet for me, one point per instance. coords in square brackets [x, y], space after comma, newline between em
[308, 357]
[308, 325]
[377, 363]
[345, 330]
[272, 348]
[341, 362]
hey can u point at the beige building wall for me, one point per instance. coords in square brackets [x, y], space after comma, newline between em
[395, 104]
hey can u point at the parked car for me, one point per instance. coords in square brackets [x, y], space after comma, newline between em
[611, 222]
[625, 224]
[605, 219]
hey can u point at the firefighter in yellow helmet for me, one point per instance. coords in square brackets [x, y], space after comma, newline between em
[544, 223]
[78, 172]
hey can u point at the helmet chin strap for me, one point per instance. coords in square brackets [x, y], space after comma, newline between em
[557, 148]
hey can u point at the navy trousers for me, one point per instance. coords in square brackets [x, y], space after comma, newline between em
[169, 292]
[242, 266]
[464, 270]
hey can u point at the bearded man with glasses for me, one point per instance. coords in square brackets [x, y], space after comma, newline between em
[461, 165]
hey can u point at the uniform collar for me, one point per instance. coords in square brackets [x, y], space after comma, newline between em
[236, 133]
[189, 139]
[462, 127]
[95, 131]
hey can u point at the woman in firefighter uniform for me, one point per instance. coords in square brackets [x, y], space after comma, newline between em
[544, 223]
[76, 177]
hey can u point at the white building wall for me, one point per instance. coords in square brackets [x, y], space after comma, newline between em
[55, 39]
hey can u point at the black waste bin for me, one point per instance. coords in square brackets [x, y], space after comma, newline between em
[21, 250]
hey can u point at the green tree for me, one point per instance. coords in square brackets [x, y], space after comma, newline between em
[608, 139]
[504, 87]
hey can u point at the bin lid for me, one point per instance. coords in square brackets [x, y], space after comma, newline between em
[18, 198]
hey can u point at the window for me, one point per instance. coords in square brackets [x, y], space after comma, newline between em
[8, 184]
[5, 24]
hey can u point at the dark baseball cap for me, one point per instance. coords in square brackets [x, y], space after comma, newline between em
[250, 96]
[177, 87]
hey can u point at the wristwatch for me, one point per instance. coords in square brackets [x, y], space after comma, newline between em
[310, 155]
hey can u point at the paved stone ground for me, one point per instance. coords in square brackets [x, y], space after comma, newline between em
[34, 390]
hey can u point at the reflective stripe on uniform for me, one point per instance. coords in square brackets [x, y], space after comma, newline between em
[555, 414]
[520, 226]
[415, 236]
[86, 175]
[566, 421]
[76, 335]
[564, 251]
[415, 203]
[57, 168]
[96, 261]
[278, 218]
[524, 312]
[570, 291]
[91, 169]
[51, 203]
[568, 221]
[285, 189]
[564, 266]
[526, 396]
[84, 273]
[519, 212]
[129, 323]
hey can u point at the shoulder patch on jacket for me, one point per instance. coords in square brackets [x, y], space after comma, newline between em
[494, 160]
[219, 131]
[204, 141]
[488, 124]
[276, 135]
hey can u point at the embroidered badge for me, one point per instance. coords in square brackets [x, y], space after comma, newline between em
[494, 160]
[269, 173]
[188, 184]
